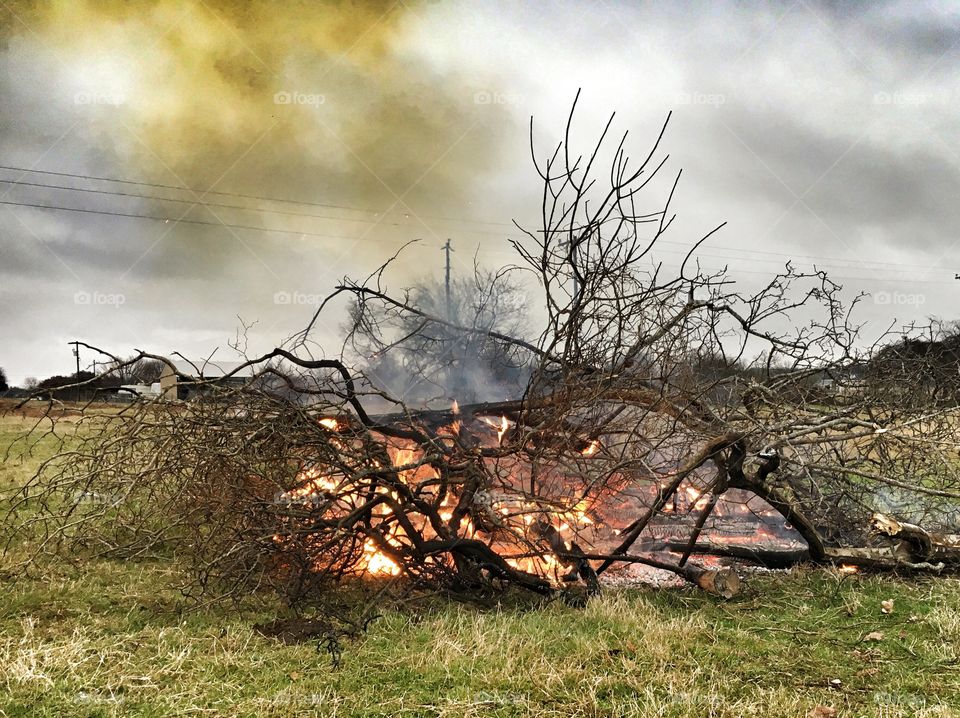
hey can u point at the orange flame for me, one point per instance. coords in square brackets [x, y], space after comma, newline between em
[455, 424]
[375, 562]
[535, 564]
[501, 426]
[592, 448]
[697, 500]
[580, 511]
[312, 482]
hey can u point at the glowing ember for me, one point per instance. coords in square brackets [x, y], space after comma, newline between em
[329, 422]
[847, 569]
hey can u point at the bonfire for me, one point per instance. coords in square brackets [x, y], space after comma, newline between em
[666, 421]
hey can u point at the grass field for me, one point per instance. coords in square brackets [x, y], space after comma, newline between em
[102, 638]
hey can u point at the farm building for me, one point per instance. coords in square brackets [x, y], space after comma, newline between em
[178, 384]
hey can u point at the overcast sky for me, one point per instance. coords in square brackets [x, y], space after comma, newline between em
[825, 133]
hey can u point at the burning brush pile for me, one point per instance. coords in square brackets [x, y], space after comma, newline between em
[250, 490]
[663, 421]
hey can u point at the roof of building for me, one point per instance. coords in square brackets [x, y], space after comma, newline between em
[142, 388]
[211, 368]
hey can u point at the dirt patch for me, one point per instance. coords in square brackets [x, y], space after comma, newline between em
[32, 409]
[294, 630]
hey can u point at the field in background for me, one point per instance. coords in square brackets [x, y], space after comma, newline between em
[84, 638]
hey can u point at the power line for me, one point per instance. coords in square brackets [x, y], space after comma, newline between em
[202, 203]
[852, 260]
[256, 228]
[852, 263]
[825, 261]
[855, 264]
[183, 221]
[261, 198]
[875, 279]
[768, 272]
[197, 202]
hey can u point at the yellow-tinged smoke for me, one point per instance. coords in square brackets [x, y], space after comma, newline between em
[320, 101]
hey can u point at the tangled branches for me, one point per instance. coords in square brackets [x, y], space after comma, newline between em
[657, 405]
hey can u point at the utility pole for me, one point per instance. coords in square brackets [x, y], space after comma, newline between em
[453, 380]
[76, 354]
[447, 249]
[569, 245]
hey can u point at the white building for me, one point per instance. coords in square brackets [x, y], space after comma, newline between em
[173, 386]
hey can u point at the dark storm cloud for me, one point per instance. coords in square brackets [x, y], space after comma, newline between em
[848, 180]
[925, 38]
[920, 29]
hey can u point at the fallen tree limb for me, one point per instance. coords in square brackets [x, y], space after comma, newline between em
[766, 556]
[917, 544]
[884, 558]
[722, 581]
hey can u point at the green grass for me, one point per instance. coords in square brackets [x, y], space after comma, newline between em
[103, 638]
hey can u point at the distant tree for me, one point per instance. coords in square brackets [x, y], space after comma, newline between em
[929, 365]
[30, 382]
[3, 380]
[52, 386]
[58, 380]
[142, 371]
[149, 371]
[414, 359]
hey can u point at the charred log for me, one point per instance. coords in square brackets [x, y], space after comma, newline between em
[910, 547]
[766, 556]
